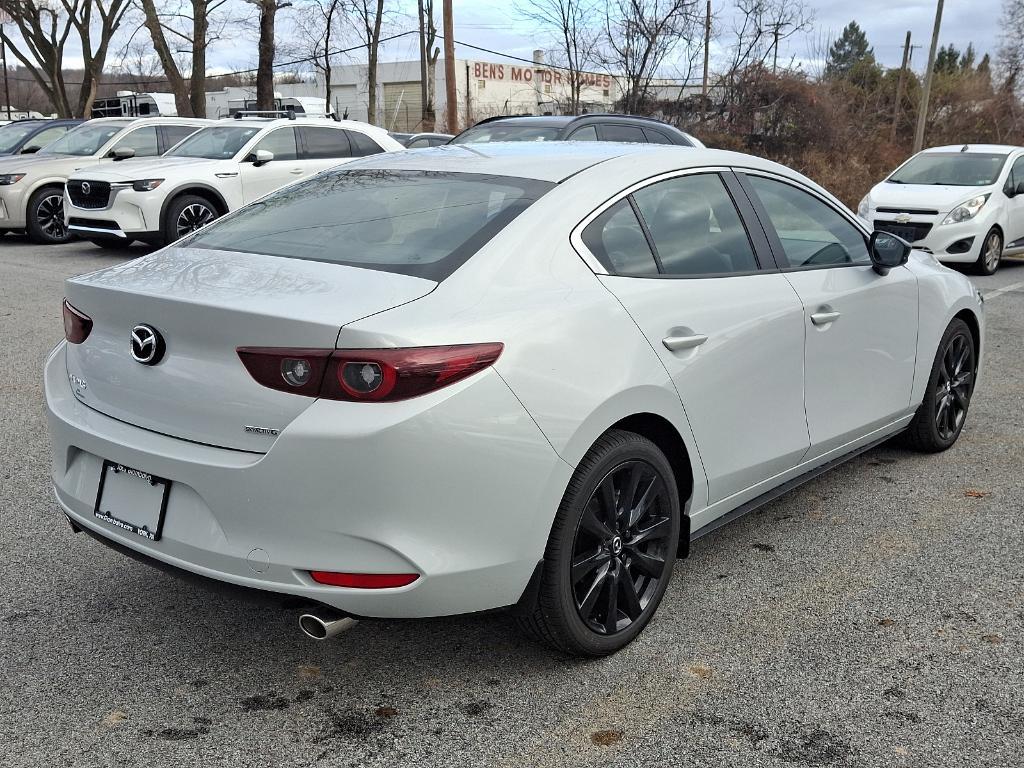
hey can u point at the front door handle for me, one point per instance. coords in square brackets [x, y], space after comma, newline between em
[824, 318]
[295, 171]
[676, 343]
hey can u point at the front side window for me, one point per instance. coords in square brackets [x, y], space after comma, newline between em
[617, 240]
[419, 223]
[43, 138]
[325, 143]
[12, 135]
[813, 234]
[695, 227]
[955, 169]
[281, 142]
[506, 132]
[143, 141]
[84, 140]
[215, 143]
[1016, 175]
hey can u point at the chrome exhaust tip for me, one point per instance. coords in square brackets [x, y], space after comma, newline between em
[325, 626]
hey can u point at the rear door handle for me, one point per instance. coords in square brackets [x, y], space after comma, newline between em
[296, 171]
[676, 343]
[824, 318]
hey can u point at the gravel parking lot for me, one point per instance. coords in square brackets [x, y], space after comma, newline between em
[873, 617]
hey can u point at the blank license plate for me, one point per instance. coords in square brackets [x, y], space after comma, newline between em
[907, 233]
[132, 500]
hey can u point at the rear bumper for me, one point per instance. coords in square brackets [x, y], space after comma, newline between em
[459, 486]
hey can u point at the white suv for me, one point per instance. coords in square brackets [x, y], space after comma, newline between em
[962, 204]
[32, 186]
[218, 169]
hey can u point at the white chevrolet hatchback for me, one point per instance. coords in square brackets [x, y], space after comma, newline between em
[963, 204]
[465, 378]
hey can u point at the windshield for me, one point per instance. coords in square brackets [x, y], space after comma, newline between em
[12, 135]
[419, 223]
[84, 140]
[215, 143]
[507, 132]
[956, 169]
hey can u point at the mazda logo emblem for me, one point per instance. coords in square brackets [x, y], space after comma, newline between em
[147, 345]
[86, 187]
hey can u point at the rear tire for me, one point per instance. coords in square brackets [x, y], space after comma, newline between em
[941, 417]
[991, 253]
[611, 550]
[45, 216]
[185, 215]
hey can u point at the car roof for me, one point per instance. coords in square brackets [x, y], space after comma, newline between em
[971, 148]
[560, 121]
[554, 161]
[264, 122]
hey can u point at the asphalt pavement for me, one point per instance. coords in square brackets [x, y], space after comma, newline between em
[873, 617]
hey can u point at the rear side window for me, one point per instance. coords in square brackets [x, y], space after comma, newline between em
[281, 142]
[419, 223]
[613, 132]
[362, 144]
[695, 227]
[617, 239]
[143, 141]
[176, 133]
[324, 143]
[586, 133]
[657, 137]
[813, 234]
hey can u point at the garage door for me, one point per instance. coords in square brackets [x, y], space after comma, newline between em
[403, 107]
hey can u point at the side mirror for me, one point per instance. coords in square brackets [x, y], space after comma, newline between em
[124, 153]
[260, 157]
[31, 149]
[888, 251]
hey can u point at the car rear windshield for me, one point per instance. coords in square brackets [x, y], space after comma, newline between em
[84, 140]
[419, 223]
[507, 132]
[215, 143]
[12, 135]
[955, 169]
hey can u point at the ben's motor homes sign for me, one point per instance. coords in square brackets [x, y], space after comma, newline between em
[483, 70]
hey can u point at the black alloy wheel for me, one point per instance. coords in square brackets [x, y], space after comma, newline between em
[941, 416]
[46, 216]
[611, 550]
[620, 547]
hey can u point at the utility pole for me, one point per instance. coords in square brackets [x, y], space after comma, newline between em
[4, 18]
[899, 89]
[451, 106]
[922, 114]
[423, 66]
[707, 46]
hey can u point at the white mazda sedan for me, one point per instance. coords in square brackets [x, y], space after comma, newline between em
[515, 375]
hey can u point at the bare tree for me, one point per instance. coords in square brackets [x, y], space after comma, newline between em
[367, 18]
[186, 28]
[43, 33]
[639, 35]
[266, 50]
[431, 52]
[570, 22]
[316, 25]
[1010, 57]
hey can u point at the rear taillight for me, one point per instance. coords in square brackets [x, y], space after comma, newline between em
[77, 324]
[364, 580]
[366, 375]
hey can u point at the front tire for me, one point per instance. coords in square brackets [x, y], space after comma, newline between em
[991, 253]
[185, 215]
[611, 550]
[45, 217]
[940, 418]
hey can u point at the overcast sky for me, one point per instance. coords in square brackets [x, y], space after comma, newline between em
[496, 25]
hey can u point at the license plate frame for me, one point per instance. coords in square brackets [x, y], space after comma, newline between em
[138, 476]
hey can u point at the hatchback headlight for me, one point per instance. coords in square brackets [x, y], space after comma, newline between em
[864, 207]
[146, 185]
[966, 210]
[7, 179]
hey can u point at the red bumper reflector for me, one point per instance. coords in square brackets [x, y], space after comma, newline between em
[364, 580]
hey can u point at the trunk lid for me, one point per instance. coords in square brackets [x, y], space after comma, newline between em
[205, 304]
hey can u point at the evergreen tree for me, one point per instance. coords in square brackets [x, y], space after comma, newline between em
[848, 51]
[967, 59]
[947, 60]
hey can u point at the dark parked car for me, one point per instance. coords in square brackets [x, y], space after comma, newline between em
[595, 127]
[24, 137]
[421, 140]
